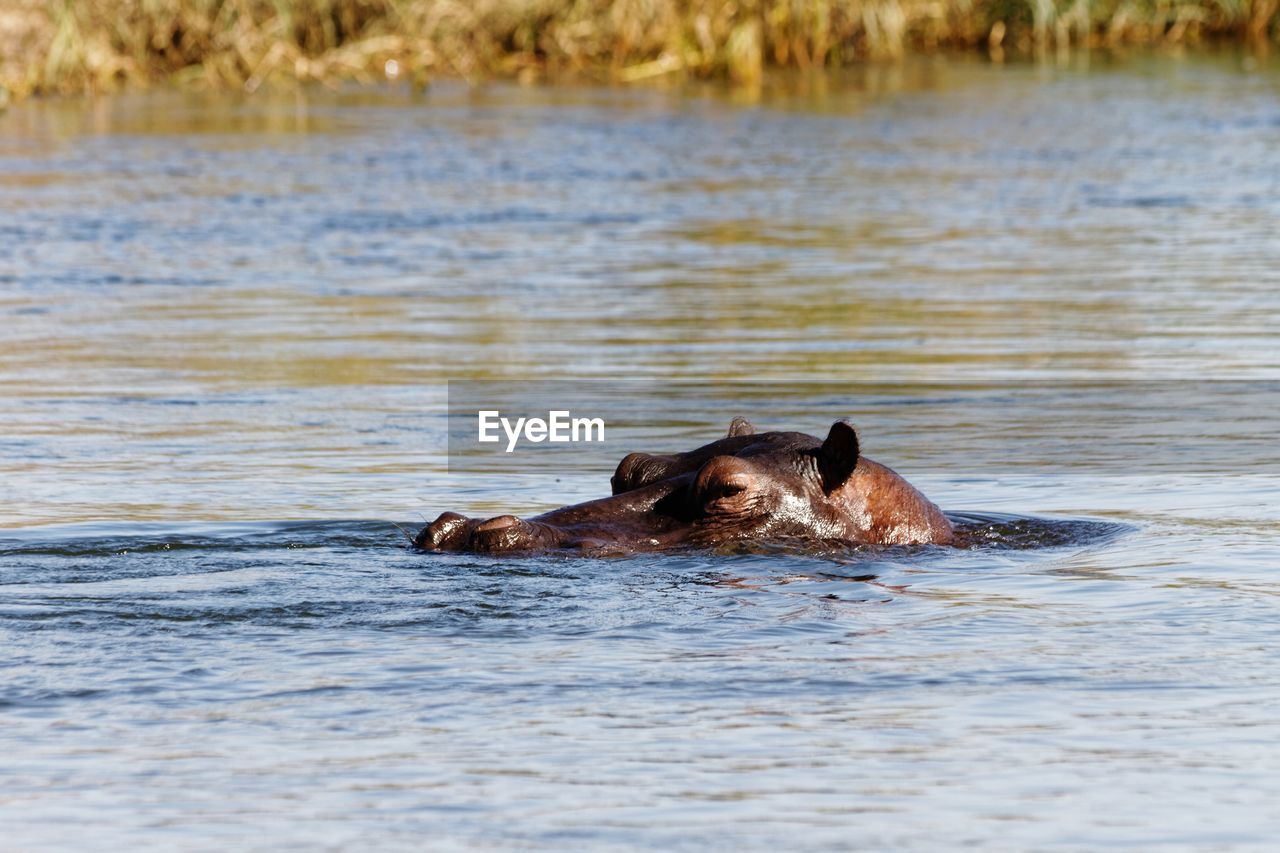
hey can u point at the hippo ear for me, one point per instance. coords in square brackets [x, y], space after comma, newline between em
[838, 456]
[741, 426]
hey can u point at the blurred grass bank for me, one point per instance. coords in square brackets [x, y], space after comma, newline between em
[90, 45]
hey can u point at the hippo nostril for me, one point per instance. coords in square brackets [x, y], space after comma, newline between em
[449, 517]
[501, 522]
[504, 533]
[439, 533]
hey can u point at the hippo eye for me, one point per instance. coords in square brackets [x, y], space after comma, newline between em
[728, 490]
[724, 482]
[719, 490]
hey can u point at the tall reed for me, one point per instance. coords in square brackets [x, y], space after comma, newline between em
[78, 45]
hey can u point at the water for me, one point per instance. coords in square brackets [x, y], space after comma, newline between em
[227, 328]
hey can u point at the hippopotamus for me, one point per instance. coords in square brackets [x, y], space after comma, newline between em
[745, 487]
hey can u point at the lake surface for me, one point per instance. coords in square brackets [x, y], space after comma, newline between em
[1048, 295]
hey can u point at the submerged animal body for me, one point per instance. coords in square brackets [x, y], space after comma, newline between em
[745, 487]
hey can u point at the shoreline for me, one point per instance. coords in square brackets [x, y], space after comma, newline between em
[59, 48]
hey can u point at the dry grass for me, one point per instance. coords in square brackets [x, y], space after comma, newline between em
[87, 45]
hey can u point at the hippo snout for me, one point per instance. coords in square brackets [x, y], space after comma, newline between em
[455, 532]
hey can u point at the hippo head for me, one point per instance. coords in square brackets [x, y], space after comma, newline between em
[744, 487]
[791, 485]
[752, 487]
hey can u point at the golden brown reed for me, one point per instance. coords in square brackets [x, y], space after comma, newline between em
[88, 45]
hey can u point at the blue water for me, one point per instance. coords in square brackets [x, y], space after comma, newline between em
[227, 328]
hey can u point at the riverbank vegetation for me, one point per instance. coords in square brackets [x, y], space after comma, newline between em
[91, 45]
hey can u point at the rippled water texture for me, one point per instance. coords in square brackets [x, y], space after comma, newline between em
[227, 329]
